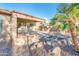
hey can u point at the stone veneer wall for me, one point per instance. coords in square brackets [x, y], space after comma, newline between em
[5, 44]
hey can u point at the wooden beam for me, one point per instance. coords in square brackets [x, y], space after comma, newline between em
[2, 11]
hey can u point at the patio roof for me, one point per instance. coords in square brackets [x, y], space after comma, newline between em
[21, 15]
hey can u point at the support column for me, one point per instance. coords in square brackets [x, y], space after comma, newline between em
[13, 31]
[14, 25]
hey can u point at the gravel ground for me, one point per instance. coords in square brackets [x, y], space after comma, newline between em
[52, 41]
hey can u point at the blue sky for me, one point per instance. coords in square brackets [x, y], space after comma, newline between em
[42, 10]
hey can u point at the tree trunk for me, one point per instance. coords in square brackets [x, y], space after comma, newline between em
[73, 34]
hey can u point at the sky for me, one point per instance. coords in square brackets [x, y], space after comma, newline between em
[41, 10]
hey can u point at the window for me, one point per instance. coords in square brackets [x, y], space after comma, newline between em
[1, 23]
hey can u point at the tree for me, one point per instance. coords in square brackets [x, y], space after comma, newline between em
[68, 14]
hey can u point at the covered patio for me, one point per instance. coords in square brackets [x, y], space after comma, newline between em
[17, 26]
